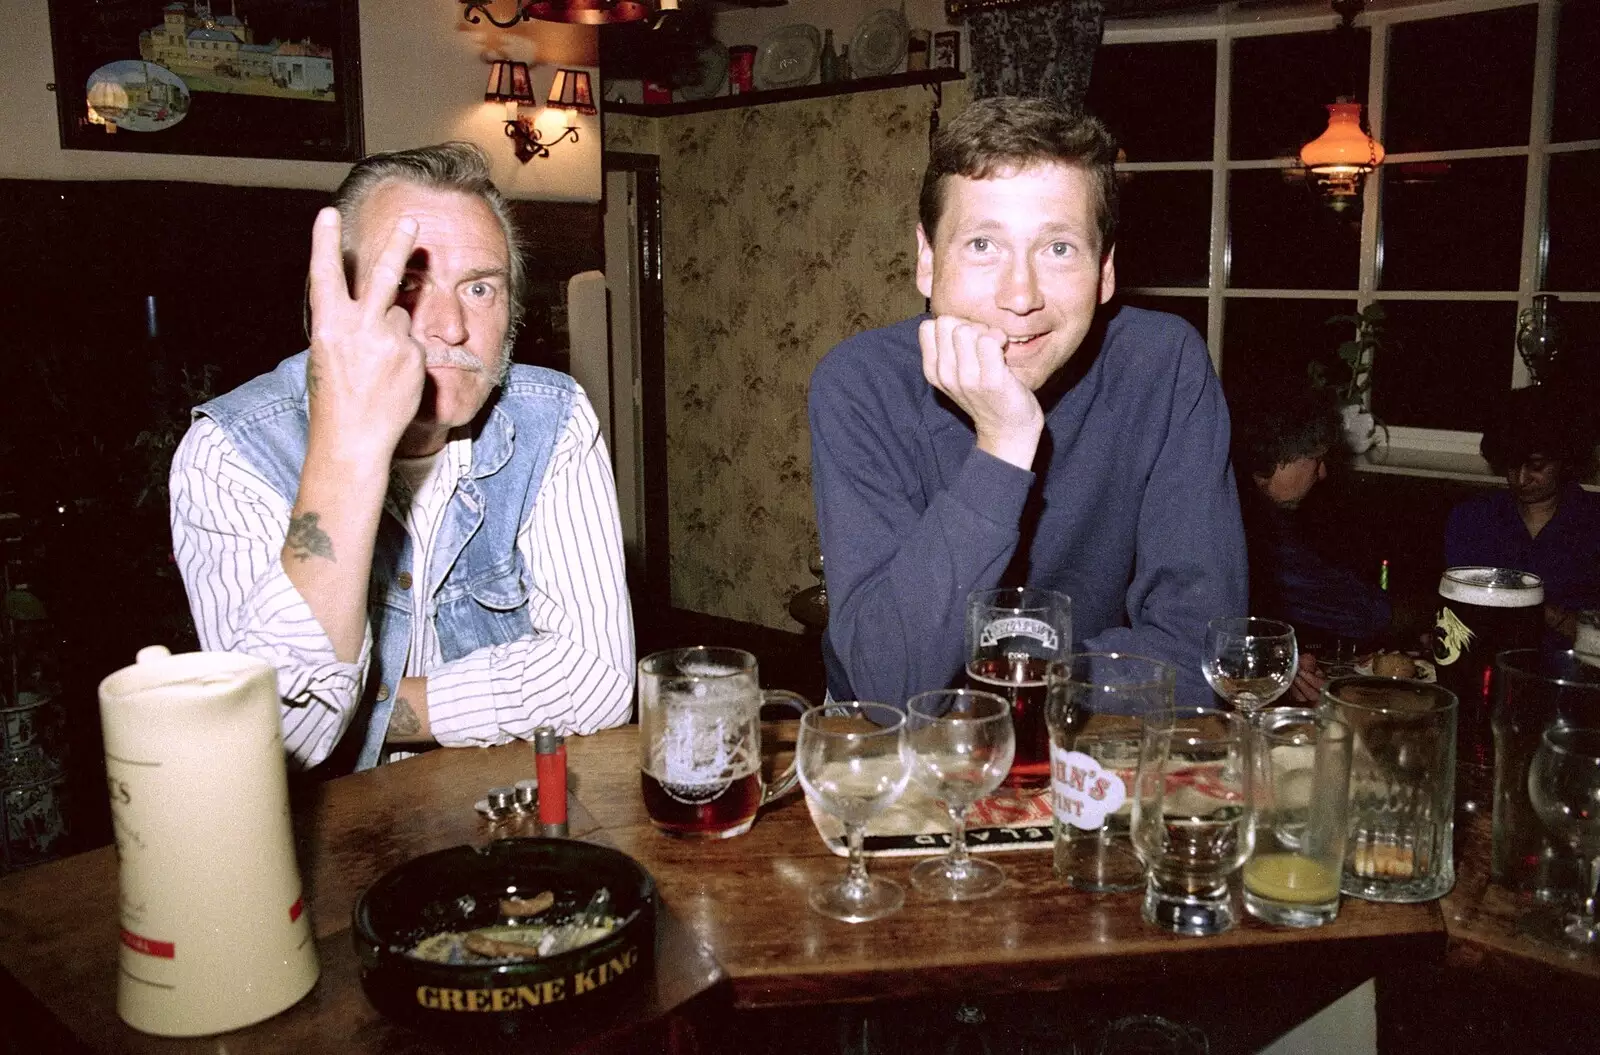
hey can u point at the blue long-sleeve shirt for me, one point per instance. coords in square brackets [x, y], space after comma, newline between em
[1292, 581]
[1131, 510]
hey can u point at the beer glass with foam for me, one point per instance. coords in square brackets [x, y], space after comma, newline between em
[1013, 636]
[1482, 612]
[700, 765]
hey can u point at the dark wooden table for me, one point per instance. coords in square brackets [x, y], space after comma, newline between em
[59, 926]
[737, 937]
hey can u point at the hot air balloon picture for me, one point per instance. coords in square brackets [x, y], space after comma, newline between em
[136, 96]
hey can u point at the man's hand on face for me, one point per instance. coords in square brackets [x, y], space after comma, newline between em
[366, 372]
[966, 361]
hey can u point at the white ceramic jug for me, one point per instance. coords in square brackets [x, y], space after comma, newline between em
[215, 935]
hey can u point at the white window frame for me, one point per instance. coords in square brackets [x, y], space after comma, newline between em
[1428, 452]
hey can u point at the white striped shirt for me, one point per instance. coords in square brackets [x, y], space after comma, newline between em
[574, 672]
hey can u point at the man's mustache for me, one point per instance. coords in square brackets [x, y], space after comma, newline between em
[452, 356]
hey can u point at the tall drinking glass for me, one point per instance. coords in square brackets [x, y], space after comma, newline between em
[853, 763]
[1402, 786]
[1193, 816]
[1302, 784]
[1097, 708]
[1250, 662]
[1013, 636]
[961, 747]
[1564, 783]
[1534, 688]
[1482, 612]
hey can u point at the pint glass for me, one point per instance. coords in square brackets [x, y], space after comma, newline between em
[700, 741]
[1534, 689]
[1013, 636]
[1482, 612]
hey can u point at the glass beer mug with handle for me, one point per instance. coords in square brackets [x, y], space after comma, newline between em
[700, 765]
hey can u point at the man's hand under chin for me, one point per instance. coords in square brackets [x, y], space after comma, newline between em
[966, 361]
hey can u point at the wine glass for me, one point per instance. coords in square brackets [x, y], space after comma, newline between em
[1250, 662]
[853, 763]
[1564, 786]
[961, 744]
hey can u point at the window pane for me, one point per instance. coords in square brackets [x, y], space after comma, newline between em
[1577, 74]
[1574, 212]
[1445, 364]
[1191, 309]
[1277, 338]
[1460, 82]
[1453, 225]
[1158, 99]
[1282, 85]
[1283, 237]
[1164, 235]
[1580, 325]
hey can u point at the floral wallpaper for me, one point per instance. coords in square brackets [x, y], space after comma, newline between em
[631, 134]
[785, 228]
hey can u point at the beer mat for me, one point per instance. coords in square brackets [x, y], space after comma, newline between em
[917, 824]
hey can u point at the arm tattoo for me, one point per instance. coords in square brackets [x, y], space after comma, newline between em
[306, 540]
[403, 722]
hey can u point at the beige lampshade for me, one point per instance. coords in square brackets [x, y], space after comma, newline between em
[1343, 149]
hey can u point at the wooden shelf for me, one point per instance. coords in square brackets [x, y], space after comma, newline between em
[786, 95]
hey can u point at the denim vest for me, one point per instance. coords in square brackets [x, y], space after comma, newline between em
[478, 580]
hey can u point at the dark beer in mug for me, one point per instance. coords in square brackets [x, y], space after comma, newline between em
[719, 810]
[1020, 679]
[1482, 612]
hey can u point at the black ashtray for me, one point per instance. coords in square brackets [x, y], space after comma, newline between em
[563, 996]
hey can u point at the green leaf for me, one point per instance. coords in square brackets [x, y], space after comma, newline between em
[20, 604]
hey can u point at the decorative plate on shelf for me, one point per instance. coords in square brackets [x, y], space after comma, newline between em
[879, 44]
[711, 64]
[787, 57]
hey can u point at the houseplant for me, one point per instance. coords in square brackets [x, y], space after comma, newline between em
[1355, 389]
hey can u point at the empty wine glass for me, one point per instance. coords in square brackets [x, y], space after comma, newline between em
[853, 763]
[1564, 786]
[1250, 662]
[961, 745]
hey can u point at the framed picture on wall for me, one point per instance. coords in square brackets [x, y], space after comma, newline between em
[229, 78]
[947, 50]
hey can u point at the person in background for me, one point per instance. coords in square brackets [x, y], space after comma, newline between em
[420, 537]
[1543, 522]
[1022, 433]
[1284, 432]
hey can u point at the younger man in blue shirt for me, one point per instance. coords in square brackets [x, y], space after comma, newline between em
[1023, 433]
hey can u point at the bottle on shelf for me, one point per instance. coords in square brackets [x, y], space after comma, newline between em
[830, 59]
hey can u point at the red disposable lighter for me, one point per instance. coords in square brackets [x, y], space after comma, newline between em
[552, 763]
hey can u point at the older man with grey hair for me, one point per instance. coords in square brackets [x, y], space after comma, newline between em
[420, 537]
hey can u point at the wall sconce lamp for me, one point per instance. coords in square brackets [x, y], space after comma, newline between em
[511, 83]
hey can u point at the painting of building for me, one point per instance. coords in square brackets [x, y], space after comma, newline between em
[214, 52]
